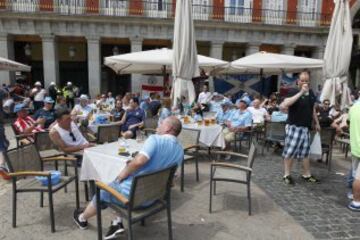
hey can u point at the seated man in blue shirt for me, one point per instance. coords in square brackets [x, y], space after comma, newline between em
[47, 112]
[240, 121]
[225, 113]
[159, 151]
[132, 120]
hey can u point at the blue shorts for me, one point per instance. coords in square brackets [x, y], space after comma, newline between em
[297, 142]
[106, 197]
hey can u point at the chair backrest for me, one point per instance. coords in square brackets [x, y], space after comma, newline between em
[151, 187]
[327, 136]
[23, 158]
[43, 141]
[108, 133]
[275, 130]
[151, 122]
[188, 137]
[252, 154]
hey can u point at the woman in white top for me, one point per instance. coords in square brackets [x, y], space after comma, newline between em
[66, 135]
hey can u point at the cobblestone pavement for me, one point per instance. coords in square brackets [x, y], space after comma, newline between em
[319, 208]
[191, 219]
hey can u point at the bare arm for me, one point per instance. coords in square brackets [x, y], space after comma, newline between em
[139, 161]
[317, 125]
[56, 139]
[291, 100]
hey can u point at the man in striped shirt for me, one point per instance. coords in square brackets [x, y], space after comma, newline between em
[25, 124]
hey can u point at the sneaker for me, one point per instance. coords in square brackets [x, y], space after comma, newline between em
[4, 173]
[350, 196]
[114, 231]
[81, 225]
[310, 179]
[288, 180]
[354, 208]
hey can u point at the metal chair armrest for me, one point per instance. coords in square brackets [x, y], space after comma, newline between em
[113, 192]
[230, 165]
[230, 153]
[191, 147]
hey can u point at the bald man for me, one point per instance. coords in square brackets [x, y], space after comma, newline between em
[159, 151]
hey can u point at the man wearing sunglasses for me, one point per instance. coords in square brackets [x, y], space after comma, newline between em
[66, 135]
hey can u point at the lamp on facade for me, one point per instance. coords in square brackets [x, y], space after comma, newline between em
[72, 51]
[115, 50]
[27, 50]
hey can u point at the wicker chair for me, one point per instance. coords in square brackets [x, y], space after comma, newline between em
[152, 187]
[217, 167]
[189, 139]
[274, 132]
[108, 133]
[24, 162]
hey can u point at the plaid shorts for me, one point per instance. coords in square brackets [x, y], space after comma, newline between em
[297, 142]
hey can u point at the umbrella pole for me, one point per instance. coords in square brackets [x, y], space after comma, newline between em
[262, 81]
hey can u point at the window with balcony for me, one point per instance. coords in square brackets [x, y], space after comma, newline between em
[238, 10]
[71, 6]
[308, 12]
[201, 9]
[274, 11]
[157, 8]
[25, 5]
[114, 7]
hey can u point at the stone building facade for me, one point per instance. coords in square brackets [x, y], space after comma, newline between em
[66, 40]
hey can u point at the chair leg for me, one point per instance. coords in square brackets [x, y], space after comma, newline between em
[130, 233]
[51, 208]
[197, 168]
[214, 188]
[169, 220]
[182, 177]
[249, 196]
[41, 199]
[210, 199]
[329, 159]
[14, 203]
[143, 222]
[86, 191]
[77, 199]
[98, 214]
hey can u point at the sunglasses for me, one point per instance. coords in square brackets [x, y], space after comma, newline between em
[72, 136]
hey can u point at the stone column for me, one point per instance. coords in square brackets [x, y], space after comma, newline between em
[50, 60]
[252, 48]
[216, 51]
[136, 46]
[94, 65]
[7, 51]
[317, 76]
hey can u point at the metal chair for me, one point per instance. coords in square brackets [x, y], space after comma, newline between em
[25, 162]
[218, 166]
[189, 139]
[242, 137]
[274, 132]
[150, 125]
[327, 136]
[148, 188]
[22, 138]
[108, 133]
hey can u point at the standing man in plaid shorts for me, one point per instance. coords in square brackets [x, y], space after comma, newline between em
[300, 103]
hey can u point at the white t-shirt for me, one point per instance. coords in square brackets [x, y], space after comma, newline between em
[258, 114]
[204, 97]
[73, 138]
[40, 95]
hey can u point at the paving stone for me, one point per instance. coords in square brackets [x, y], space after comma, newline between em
[339, 235]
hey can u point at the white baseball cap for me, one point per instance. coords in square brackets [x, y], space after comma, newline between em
[52, 83]
[69, 83]
[38, 84]
[83, 97]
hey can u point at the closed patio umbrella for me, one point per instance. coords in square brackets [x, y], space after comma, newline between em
[338, 55]
[9, 65]
[185, 62]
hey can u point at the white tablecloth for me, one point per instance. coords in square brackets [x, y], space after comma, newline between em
[210, 136]
[103, 163]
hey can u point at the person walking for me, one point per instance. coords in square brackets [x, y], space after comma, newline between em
[69, 94]
[301, 113]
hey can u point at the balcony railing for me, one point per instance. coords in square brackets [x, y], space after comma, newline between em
[165, 9]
